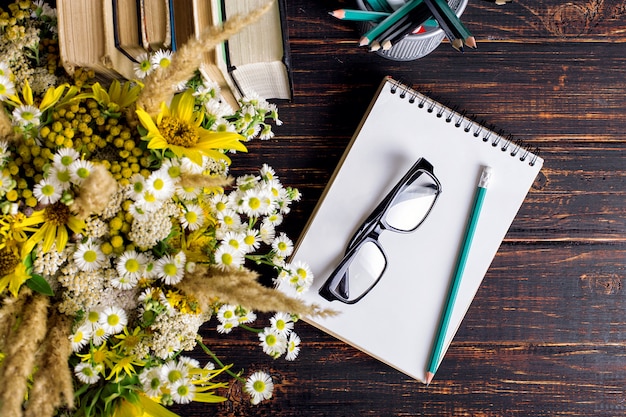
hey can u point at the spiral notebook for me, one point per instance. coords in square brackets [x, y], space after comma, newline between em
[397, 320]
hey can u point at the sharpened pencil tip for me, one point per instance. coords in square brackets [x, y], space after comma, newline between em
[429, 378]
[471, 42]
[364, 41]
[339, 14]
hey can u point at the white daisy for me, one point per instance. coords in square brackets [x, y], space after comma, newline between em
[113, 319]
[226, 327]
[235, 240]
[172, 167]
[92, 319]
[161, 58]
[282, 245]
[246, 316]
[152, 381]
[293, 347]
[193, 218]
[26, 115]
[168, 270]
[86, 373]
[229, 219]
[48, 191]
[160, 184]
[251, 240]
[183, 391]
[220, 202]
[89, 257]
[301, 276]
[267, 232]
[123, 282]
[260, 386]
[267, 172]
[99, 335]
[137, 186]
[80, 170]
[143, 66]
[187, 193]
[275, 219]
[147, 202]
[272, 342]
[62, 176]
[226, 313]
[174, 371]
[80, 338]
[190, 363]
[64, 157]
[227, 257]
[131, 264]
[282, 323]
[7, 88]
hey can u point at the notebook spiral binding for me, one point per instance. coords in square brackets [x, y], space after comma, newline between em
[516, 147]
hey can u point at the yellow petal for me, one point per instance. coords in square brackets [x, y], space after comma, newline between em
[49, 236]
[146, 121]
[51, 97]
[76, 224]
[182, 106]
[158, 142]
[62, 237]
[154, 409]
[27, 93]
[32, 241]
[221, 140]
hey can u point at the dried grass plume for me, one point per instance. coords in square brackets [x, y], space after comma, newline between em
[240, 287]
[95, 192]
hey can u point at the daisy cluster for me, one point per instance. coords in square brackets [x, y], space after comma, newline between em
[121, 217]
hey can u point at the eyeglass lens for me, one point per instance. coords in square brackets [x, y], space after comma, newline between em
[367, 263]
[412, 204]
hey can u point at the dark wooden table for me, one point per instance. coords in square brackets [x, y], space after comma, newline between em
[546, 333]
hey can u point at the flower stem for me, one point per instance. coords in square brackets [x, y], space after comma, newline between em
[217, 360]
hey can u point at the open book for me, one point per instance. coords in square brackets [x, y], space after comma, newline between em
[397, 318]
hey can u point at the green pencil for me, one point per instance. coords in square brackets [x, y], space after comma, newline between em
[359, 15]
[437, 349]
[373, 33]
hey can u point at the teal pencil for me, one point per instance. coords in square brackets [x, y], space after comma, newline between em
[479, 197]
[379, 5]
[359, 15]
[373, 33]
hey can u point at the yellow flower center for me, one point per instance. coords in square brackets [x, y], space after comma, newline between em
[254, 203]
[8, 261]
[90, 256]
[57, 214]
[192, 217]
[177, 132]
[132, 265]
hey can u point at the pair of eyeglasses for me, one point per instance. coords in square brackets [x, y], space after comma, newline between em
[403, 210]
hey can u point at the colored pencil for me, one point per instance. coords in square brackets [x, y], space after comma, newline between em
[379, 5]
[479, 197]
[373, 33]
[455, 41]
[457, 27]
[359, 15]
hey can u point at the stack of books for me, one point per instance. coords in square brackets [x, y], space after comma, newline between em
[108, 36]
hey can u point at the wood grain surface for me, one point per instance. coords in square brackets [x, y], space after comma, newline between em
[546, 333]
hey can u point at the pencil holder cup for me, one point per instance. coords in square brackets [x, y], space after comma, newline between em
[414, 46]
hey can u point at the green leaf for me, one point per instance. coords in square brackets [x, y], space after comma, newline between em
[39, 284]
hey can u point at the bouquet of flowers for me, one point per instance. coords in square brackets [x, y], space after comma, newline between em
[121, 231]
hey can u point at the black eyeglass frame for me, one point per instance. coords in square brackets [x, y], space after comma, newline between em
[370, 230]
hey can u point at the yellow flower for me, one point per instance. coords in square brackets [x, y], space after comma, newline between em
[56, 218]
[15, 279]
[179, 129]
[118, 97]
[124, 363]
[144, 407]
[52, 95]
